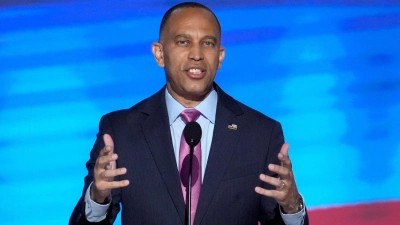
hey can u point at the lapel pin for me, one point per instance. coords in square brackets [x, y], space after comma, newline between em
[232, 126]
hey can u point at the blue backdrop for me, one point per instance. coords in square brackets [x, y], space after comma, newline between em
[327, 70]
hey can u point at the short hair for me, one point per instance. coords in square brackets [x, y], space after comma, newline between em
[184, 5]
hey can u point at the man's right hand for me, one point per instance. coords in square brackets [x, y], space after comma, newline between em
[104, 172]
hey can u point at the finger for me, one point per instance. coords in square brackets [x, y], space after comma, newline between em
[105, 151]
[283, 156]
[285, 149]
[107, 161]
[271, 180]
[269, 193]
[110, 174]
[108, 141]
[111, 165]
[106, 155]
[282, 171]
[108, 145]
[112, 185]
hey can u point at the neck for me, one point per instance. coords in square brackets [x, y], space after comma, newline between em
[188, 100]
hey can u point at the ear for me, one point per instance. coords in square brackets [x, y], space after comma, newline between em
[158, 53]
[221, 56]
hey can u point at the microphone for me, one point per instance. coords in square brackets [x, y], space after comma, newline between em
[192, 134]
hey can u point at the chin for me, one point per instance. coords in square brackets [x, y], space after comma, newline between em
[198, 90]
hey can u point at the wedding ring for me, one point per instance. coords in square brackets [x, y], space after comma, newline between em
[282, 185]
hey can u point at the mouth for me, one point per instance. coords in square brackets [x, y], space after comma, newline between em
[195, 72]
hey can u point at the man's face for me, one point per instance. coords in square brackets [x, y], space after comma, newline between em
[190, 52]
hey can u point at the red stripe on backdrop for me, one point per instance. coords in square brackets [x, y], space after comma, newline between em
[387, 213]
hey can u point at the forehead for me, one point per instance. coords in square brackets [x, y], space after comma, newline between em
[191, 19]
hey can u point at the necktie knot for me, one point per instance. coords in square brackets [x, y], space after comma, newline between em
[189, 115]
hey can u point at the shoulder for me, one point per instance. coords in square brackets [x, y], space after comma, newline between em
[257, 122]
[138, 111]
[256, 115]
[243, 111]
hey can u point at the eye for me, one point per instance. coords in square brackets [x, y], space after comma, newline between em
[182, 43]
[209, 44]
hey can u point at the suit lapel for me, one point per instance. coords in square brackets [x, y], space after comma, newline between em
[158, 136]
[222, 147]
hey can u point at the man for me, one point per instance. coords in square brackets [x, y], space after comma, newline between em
[244, 167]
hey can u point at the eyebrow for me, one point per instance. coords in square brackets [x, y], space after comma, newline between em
[188, 36]
[182, 36]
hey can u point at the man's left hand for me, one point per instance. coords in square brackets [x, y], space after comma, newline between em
[286, 193]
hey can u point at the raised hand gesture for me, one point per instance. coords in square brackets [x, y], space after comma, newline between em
[286, 193]
[104, 172]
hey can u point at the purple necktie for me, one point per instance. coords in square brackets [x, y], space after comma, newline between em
[189, 115]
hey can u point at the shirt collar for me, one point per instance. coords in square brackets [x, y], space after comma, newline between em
[207, 107]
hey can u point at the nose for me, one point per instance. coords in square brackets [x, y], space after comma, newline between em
[196, 53]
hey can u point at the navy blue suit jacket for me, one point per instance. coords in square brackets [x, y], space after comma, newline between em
[142, 140]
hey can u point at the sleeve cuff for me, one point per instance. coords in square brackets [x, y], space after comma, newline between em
[95, 212]
[296, 218]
